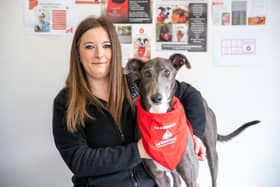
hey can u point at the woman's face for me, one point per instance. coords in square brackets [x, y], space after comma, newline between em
[95, 51]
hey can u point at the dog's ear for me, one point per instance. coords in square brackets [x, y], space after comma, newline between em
[178, 60]
[132, 71]
[146, 40]
[134, 65]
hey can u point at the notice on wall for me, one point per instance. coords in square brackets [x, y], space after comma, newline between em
[241, 12]
[127, 11]
[197, 27]
[135, 41]
[181, 25]
[238, 31]
[87, 1]
[49, 17]
[238, 46]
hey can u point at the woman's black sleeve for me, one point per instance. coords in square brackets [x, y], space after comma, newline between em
[193, 105]
[83, 160]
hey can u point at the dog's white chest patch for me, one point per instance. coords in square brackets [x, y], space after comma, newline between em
[159, 109]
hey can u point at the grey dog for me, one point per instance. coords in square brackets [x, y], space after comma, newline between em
[155, 82]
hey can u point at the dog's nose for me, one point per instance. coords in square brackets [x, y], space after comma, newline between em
[156, 98]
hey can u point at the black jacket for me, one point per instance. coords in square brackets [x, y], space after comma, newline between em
[193, 105]
[103, 155]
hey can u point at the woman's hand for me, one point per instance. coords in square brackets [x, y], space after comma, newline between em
[199, 148]
[141, 150]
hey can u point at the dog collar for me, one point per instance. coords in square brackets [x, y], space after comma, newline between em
[164, 135]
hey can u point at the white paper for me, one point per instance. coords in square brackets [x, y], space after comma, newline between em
[49, 16]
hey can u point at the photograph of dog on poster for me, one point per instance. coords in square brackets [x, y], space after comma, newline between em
[179, 32]
[142, 47]
[42, 23]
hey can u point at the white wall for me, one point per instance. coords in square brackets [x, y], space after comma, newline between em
[33, 69]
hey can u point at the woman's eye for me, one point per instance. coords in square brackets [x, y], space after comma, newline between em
[89, 47]
[107, 46]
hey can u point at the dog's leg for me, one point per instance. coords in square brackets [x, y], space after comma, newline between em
[210, 140]
[212, 158]
[162, 177]
[188, 167]
[178, 180]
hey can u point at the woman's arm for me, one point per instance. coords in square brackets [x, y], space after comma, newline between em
[193, 104]
[83, 160]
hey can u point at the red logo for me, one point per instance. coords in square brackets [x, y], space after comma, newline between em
[141, 30]
[248, 48]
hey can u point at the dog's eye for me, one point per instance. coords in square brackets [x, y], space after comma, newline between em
[182, 62]
[167, 73]
[147, 74]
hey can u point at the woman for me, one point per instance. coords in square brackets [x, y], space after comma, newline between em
[93, 116]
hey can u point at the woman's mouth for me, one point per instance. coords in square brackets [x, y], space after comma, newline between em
[98, 62]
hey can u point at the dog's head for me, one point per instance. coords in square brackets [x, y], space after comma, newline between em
[179, 11]
[41, 13]
[155, 80]
[164, 29]
[163, 15]
[164, 33]
[164, 10]
[142, 42]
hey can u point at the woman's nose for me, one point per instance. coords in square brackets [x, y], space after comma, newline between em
[99, 52]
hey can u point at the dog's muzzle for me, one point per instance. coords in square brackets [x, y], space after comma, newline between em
[156, 98]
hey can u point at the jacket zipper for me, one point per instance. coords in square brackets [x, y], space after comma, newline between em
[117, 127]
[121, 133]
[134, 177]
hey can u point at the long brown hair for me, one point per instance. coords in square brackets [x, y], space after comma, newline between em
[77, 83]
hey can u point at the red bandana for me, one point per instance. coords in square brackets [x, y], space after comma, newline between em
[164, 135]
[141, 51]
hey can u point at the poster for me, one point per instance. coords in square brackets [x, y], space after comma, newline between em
[135, 41]
[49, 17]
[87, 1]
[181, 25]
[238, 32]
[127, 11]
[239, 46]
[141, 43]
[175, 25]
[257, 12]
[241, 12]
